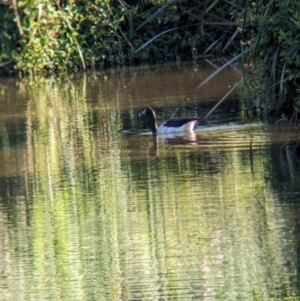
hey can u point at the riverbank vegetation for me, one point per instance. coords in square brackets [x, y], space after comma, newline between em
[275, 83]
[58, 36]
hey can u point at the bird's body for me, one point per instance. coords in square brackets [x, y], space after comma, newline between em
[171, 126]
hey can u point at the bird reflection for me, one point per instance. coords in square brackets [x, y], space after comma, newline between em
[172, 139]
[182, 138]
[153, 150]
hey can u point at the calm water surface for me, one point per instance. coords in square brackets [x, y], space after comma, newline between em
[93, 208]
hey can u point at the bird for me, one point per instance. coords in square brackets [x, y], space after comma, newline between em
[171, 126]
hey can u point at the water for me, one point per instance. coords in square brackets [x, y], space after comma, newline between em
[93, 208]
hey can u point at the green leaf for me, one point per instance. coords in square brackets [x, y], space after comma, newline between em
[152, 16]
[211, 6]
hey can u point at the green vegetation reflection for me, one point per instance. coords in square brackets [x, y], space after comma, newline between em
[100, 218]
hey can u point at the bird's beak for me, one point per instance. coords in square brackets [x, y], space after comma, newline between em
[142, 114]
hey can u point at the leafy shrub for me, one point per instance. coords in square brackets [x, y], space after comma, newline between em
[71, 35]
[277, 56]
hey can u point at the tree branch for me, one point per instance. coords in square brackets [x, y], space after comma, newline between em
[15, 5]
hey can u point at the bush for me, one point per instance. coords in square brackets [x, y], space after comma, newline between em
[61, 35]
[277, 56]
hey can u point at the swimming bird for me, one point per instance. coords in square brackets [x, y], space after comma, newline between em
[172, 126]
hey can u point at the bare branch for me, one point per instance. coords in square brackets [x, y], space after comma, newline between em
[15, 5]
[5, 63]
[5, 3]
[221, 100]
[230, 40]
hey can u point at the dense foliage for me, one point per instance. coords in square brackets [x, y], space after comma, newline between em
[63, 35]
[277, 57]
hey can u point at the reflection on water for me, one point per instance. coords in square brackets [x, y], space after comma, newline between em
[89, 213]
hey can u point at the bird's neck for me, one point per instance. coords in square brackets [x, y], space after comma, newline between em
[154, 126]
